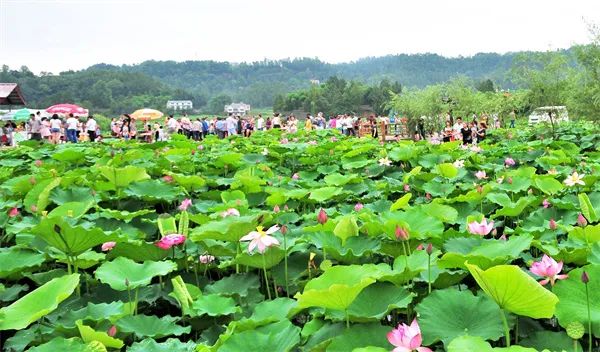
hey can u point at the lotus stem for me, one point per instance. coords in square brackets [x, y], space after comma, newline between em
[266, 277]
[237, 252]
[429, 273]
[574, 345]
[136, 300]
[506, 329]
[587, 298]
[285, 264]
[347, 319]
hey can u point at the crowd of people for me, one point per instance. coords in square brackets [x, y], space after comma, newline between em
[75, 129]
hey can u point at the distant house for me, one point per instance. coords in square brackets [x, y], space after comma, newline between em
[180, 105]
[237, 108]
[10, 94]
[316, 82]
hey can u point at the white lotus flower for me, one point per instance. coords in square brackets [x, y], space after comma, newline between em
[575, 179]
[385, 161]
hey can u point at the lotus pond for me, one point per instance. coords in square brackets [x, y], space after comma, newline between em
[307, 242]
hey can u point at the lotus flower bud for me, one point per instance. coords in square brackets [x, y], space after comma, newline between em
[285, 208]
[427, 196]
[322, 217]
[479, 189]
[112, 331]
[276, 209]
[295, 176]
[358, 206]
[168, 178]
[13, 212]
[284, 230]
[581, 221]
[552, 224]
[38, 163]
[429, 249]
[193, 152]
[585, 278]
[401, 233]
[509, 180]
[406, 187]
[420, 247]
[34, 209]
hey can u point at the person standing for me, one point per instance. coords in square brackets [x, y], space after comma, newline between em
[276, 121]
[72, 123]
[260, 123]
[197, 129]
[231, 125]
[35, 128]
[205, 128]
[55, 127]
[90, 127]
[513, 118]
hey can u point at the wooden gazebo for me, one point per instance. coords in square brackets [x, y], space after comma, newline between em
[10, 94]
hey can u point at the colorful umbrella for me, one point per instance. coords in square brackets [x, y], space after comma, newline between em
[65, 109]
[17, 116]
[147, 114]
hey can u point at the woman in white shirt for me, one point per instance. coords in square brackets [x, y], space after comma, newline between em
[55, 128]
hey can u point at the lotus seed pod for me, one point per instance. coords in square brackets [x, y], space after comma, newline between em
[575, 330]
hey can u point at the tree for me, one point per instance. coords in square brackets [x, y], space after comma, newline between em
[486, 86]
[217, 104]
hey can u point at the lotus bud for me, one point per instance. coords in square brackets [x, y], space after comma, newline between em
[285, 208]
[509, 180]
[112, 331]
[34, 209]
[295, 176]
[401, 233]
[428, 196]
[322, 217]
[276, 209]
[581, 221]
[420, 247]
[168, 178]
[479, 189]
[358, 206]
[575, 330]
[284, 230]
[126, 282]
[38, 163]
[585, 278]
[552, 224]
[429, 249]
[193, 152]
[13, 212]
[32, 180]
[406, 187]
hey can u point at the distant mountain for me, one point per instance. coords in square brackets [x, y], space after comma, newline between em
[257, 83]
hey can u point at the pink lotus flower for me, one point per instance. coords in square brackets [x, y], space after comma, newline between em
[185, 204]
[168, 178]
[548, 268]
[276, 209]
[322, 217]
[552, 224]
[509, 162]
[107, 246]
[581, 220]
[38, 163]
[358, 206]
[230, 212]
[13, 212]
[401, 233]
[481, 175]
[261, 239]
[169, 241]
[295, 176]
[406, 187]
[407, 338]
[546, 203]
[206, 259]
[481, 228]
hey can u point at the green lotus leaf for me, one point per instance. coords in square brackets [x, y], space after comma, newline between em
[402, 202]
[447, 170]
[337, 179]
[550, 341]
[515, 291]
[73, 210]
[40, 194]
[442, 212]
[124, 215]
[14, 260]
[152, 190]
[73, 344]
[234, 285]
[588, 234]
[483, 253]
[271, 257]
[572, 305]
[281, 336]
[276, 310]
[137, 251]
[359, 336]
[468, 343]
[89, 335]
[338, 287]
[214, 305]
[229, 229]
[346, 227]
[190, 183]
[587, 209]
[324, 193]
[123, 177]
[121, 270]
[37, 303]
[73, 155]
[375, 302]
[447, 314]
[151, 326]
[547, 184]
[171, 345]
[71, 240]
[11, 293]
[72, 194]
[96, 312]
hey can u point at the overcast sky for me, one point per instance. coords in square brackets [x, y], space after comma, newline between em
[55, 35]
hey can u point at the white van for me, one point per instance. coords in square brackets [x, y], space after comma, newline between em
[559, 114]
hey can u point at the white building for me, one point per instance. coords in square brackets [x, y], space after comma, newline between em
[180, 105]
[237, 108]
[316, 82]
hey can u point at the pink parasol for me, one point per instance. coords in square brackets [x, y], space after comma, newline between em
[65, 109]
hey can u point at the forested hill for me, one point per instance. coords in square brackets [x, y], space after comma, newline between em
[152, 83]
[259, 82]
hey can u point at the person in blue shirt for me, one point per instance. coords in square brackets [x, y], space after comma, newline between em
[204, 128]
